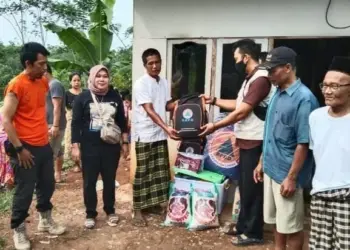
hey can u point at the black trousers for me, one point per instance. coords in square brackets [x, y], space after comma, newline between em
[39, 177]
[99, 159]
[250, 219]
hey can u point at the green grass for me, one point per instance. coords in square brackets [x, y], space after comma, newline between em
[2, 243]
[68, 164]
[6, 201]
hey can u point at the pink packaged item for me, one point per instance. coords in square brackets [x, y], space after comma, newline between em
[204, 209]
[188, 161]
[178, 212]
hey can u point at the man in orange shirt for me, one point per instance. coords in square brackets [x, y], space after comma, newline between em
[24, 120]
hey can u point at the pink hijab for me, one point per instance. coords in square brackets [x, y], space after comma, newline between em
[91, 81]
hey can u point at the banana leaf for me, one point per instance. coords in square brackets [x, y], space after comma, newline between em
[74, 40]
[101, 37]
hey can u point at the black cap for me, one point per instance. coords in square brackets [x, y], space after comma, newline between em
[340, 64]
[279, 56]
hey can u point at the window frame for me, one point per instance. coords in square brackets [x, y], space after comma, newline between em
[208, 67]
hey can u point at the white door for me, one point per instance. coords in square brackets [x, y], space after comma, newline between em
[223, 46]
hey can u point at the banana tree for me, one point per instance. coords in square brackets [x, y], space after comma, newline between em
[92, 48]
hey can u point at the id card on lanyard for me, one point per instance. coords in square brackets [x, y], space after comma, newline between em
[96, 112]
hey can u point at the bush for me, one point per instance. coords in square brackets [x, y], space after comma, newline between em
[6, 201]
[2, 243]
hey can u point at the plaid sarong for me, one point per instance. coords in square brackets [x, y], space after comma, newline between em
[330, 220]
[152, 175]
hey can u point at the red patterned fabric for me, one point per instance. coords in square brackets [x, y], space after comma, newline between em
[6, 171]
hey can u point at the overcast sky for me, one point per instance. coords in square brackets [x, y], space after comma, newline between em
[123, 14]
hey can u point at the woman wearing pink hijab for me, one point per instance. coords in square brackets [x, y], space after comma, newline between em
[98, 156]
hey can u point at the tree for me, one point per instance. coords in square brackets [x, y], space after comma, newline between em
[62, 74]
[92, 49]
[121, 68]
[9, 63]
[82, 49]
[67, 12]
[120, 62]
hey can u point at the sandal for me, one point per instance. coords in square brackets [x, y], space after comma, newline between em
[230, 229]
[113, 220]
[59, 181]
[77, 169]
[89, 223]
[242, 240]
[58, 178]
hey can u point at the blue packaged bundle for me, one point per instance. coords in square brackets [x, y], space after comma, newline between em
[221, 154]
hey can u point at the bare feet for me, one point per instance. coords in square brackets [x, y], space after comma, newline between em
[138, 220]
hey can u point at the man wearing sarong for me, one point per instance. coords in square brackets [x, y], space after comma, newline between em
[150, 132]
[330, 142]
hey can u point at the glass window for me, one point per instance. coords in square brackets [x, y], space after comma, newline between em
[188, 68]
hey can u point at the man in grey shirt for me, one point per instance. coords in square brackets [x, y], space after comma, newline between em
[56, 119]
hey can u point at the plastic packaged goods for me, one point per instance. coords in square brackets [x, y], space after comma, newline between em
[188, 161]
[204, 209]
[179, 209]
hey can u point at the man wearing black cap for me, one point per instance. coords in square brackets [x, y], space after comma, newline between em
[330, 142]
[286, 160]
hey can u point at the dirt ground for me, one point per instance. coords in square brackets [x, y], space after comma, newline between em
[69, 209]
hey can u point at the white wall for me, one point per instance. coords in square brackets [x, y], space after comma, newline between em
[140, 45]
[238, 18]
[158, 20]
[155, 21]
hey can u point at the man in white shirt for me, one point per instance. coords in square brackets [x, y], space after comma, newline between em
[330, 142]
[150, 132]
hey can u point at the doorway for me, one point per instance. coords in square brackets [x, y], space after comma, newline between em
[314, 58]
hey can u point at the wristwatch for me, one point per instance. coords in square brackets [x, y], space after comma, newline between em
[19, 149]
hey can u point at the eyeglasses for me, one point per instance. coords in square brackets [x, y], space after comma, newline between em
[333, 86]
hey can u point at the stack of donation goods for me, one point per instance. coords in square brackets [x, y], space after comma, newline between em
[204, 168]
